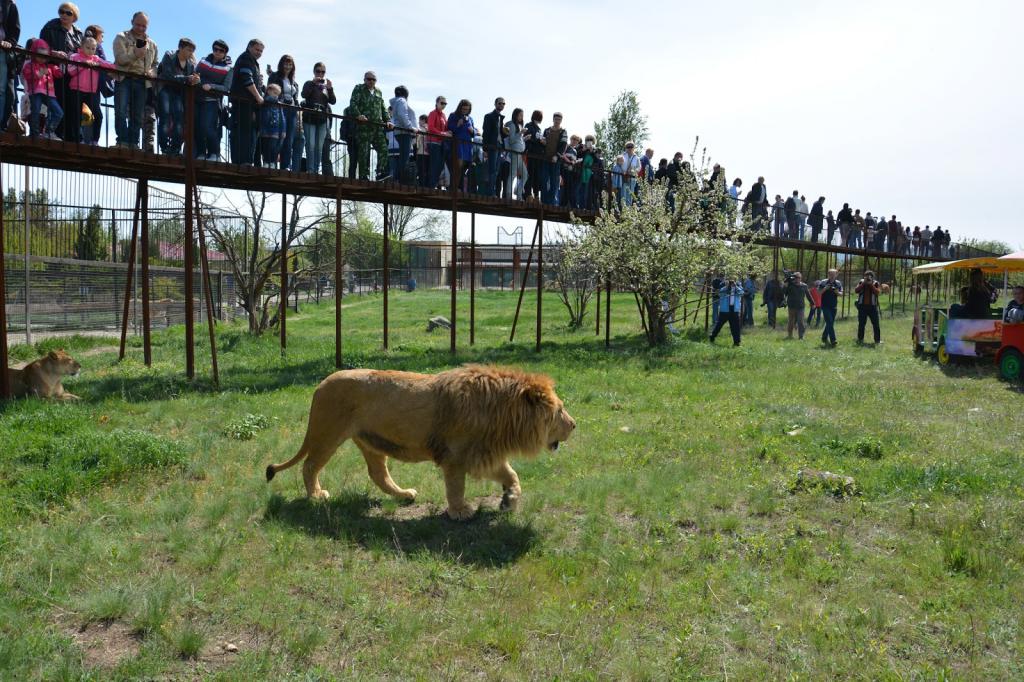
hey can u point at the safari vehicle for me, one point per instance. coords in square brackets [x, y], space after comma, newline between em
[953, 338]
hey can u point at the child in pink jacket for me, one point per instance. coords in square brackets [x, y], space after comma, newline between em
[84, 85]
[39, 75]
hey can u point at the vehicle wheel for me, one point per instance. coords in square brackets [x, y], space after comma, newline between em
[1010, 364]
[942, 355]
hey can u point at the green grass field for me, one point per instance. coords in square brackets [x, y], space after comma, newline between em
[666, 540]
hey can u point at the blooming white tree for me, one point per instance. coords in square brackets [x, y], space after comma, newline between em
[665, 245]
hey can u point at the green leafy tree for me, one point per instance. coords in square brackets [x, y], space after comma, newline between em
[91, 244]
[623, 124]
[662, 250]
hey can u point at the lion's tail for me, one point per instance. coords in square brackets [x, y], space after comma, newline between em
[299, 456]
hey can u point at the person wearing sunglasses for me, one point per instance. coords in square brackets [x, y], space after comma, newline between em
[64, 39]
[317, 98]
[437, 143]
[367, 104]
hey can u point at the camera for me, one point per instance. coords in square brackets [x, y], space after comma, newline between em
[140, 43]
[788, 276]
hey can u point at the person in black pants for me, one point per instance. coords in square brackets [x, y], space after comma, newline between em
[730, 302]
[246, 98]
[868, 290]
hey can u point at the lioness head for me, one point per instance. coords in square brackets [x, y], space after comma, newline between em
[61, 363]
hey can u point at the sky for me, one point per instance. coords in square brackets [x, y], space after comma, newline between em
[895, 106]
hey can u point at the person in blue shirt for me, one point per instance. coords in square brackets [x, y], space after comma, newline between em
[749, 291]
[831, 289]
[730, 305]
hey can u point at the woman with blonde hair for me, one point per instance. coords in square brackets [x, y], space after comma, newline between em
[64, 39]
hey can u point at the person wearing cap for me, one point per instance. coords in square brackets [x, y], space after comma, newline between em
[367, 104]
[178, 66]
[213, 73]
[630, 172]
[135, 53]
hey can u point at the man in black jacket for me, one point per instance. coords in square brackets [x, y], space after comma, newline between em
[493, 134]
[817, 218]
[246, 98]
[756, 202]
[10, 33]
[791, 215]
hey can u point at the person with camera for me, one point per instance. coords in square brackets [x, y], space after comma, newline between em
[317, 98]
[772, 298]
[868, 291]
[830, 289]
[730, 304]
[796, 293]
[135, 53]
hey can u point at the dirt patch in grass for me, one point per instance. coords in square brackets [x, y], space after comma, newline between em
[106, 644]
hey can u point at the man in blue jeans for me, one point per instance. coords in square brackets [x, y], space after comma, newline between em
[831, 289]
[494, 133]
[135, 53]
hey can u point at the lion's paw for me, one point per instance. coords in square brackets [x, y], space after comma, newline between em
[409, 494]
[320, 495]
[509, 502]
[461, 513]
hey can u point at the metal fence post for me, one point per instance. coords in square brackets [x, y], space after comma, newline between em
[28, 263]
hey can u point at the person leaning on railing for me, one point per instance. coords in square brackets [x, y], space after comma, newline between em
[10, 33]
[317, 98]
[246, 98]
[64, 39]
[367, 103]
[84, 78]
[178, 66]
[284, 78]
[39, 76]
[213, 73]
[438, 141]
[136, 53]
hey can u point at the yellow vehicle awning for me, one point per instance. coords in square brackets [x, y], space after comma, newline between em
[1013, 262]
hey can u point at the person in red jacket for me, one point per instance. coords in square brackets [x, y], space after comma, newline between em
[39, 76]
[437, 142]
[815, 313]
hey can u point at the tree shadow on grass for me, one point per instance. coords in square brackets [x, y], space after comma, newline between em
[490, 539]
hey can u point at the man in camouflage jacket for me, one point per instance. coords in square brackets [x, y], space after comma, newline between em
[367, 105]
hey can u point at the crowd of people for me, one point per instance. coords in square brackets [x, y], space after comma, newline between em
[792, 218]
[732, 303]
[278, 123]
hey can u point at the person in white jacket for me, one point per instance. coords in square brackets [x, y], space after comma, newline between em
[404, 120]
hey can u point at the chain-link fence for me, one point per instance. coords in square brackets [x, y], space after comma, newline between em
[59, 296]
